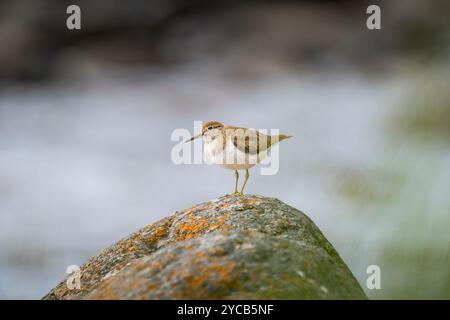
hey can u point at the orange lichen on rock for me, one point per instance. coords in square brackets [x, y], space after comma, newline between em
[192, 228]
[196, 226]
[207, 277]
[218, 223]
[156, 233]
[106, 293]
[215, 272]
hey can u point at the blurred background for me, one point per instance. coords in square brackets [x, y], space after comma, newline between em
[86, 117]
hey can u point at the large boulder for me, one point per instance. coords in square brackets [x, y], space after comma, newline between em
[235, 247]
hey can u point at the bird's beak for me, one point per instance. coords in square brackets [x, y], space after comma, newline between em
[193, 138]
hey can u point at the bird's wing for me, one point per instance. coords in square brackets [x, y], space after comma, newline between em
[249, 140]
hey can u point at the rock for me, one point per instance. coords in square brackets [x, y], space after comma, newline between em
[248, 247]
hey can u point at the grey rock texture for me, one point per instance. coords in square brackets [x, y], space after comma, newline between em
[248, 247]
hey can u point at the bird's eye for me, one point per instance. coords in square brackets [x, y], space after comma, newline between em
[209, 128]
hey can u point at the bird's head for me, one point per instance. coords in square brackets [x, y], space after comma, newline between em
[210, 130]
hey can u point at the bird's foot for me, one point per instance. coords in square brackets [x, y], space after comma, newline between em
[234, 194]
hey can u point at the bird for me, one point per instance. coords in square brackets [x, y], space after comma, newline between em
[236, 148]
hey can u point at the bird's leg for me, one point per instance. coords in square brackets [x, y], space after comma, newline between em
[247, 174]
[236, 178]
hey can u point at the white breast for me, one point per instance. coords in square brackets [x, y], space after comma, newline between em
[230, 158]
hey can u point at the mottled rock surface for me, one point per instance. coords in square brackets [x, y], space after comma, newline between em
[248, 247]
